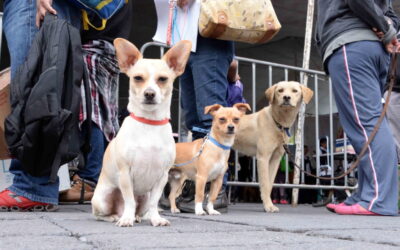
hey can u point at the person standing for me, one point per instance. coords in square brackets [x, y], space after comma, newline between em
[26, 191]
[103, 76]
[357, 61]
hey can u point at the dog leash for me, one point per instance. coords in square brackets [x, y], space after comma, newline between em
[282, 128]
[197, 154]
[208, 137]
[172, 6]
[392, 77]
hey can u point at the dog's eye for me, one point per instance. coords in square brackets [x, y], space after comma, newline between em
[163, 79]
[280, 90]
[236, 120]
[138, 78]
[222, 119]
[295, 91]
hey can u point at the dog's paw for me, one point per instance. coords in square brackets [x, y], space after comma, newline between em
[156, 222]
[114, 218]
[126, 221]
[200, 212]
[271, 209]
[175, 210]
[213, 212]
[138, 219]
[111, 218]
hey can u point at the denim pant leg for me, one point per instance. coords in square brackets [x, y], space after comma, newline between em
[19, 27]
[94, 160]
[188, 97]
[209, 67]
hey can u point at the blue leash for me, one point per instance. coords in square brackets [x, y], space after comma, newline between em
[207, 138]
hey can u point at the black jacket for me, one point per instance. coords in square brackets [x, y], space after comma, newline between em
[42, 129]
[338, 16]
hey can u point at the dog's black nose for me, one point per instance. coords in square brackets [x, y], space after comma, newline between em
[231, 128]
[149, 94]
[286, 98]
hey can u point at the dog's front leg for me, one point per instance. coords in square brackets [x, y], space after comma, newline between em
[155, 194]
[199, 196]
[265, 183]
[176, 188]
[214, 190]
[126, 186]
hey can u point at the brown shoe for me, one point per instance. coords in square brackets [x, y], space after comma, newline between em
[81, 191]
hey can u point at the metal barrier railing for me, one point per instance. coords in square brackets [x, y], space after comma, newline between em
[319, 79]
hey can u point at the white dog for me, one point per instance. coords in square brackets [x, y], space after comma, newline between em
[137, 161]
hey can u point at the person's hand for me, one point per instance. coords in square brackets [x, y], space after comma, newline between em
[379, 34]
[393, 46]
[42, 7]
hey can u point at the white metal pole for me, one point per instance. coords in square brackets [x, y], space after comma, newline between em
[304, 80]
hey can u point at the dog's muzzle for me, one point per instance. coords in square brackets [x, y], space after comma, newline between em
[231, 129]
[149, 96]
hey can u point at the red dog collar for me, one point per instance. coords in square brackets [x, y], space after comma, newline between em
[150, 122]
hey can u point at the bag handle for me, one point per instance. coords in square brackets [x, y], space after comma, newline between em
[87, 23]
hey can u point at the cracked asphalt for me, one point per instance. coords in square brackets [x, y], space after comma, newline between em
[245, 226]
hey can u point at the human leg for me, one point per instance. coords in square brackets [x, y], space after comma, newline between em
[357, 78]
[210, 66]
[85, 180]
[94, 159]
[20, 30]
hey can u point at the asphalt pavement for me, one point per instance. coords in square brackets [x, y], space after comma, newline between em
[245, 226]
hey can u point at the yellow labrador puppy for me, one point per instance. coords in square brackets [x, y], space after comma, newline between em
[263, 134]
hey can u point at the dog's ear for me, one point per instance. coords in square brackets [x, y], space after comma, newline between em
[177, 56]
[307, 93]
[212, 109]
[127, 54]
[270, 93]
[242, 107]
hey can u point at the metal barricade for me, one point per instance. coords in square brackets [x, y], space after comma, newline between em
[286, 72]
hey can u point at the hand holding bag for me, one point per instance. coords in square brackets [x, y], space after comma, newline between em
[249, 21]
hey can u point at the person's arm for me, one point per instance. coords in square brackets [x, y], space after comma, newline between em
[371, 14]
[395, 19]
[42, 7]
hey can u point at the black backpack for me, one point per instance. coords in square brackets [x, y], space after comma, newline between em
[42, 130]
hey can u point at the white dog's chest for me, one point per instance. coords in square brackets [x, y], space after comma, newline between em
[150, 153]
[149, 165]
[217, 169]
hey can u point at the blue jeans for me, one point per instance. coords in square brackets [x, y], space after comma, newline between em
[20, 30]
[94, 160]
[204, 81]
[358, 71]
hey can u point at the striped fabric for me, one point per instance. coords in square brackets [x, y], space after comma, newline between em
[103, 73]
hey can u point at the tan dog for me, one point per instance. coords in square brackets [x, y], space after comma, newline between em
[137, 161]
[212, 162]
[263, 134]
